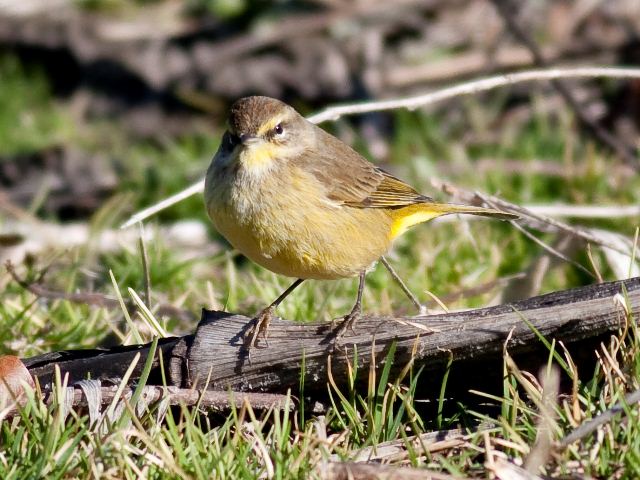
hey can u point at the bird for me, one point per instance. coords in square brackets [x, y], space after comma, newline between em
[299, 202]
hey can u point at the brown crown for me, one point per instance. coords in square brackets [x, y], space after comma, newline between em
[248, 114]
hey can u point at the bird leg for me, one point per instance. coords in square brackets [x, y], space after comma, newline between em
[349, 320]
[422, 309]
[260, 323]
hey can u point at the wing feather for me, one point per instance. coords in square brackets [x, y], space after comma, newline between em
[352, 180]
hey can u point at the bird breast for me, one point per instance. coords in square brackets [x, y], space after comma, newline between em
[284, 222]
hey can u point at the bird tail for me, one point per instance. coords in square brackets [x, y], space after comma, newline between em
[422, 212]
[448, 208]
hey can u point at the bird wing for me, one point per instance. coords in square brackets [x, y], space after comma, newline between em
[352, 180]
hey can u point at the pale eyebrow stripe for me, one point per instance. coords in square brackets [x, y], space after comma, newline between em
[269, 125]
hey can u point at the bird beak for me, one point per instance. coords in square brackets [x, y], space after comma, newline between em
[247, 139]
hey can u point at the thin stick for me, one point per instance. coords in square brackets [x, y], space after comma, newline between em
[533, 220]
[93, 298]
[214, 400]
[472, 87]
[166, 203]
[465, 88]
[422, 310]
[394, 450]
[592, 425]
[550, 249]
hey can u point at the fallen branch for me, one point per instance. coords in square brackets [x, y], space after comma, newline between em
[215, 354]
[208, 400]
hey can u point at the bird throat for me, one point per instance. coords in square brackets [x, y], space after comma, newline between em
[258, 159]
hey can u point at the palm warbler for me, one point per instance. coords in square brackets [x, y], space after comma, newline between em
[301, 203]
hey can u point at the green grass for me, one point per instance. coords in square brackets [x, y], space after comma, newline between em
[442, 258]
[30, 120]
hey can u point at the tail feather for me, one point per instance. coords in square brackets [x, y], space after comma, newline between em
[448, 208]
[422, 212]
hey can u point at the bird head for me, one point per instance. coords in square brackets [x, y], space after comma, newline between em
[263, 131]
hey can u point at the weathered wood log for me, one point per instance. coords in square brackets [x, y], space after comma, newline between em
[214, 356]
[100, 363]
[568, 315]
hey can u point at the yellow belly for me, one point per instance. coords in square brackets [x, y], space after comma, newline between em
[309, 242]
[300, 233]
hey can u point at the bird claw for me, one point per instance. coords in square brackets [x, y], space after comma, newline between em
[348, 323]
[260, 326]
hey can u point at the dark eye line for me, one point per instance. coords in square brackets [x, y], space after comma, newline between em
[233, 139]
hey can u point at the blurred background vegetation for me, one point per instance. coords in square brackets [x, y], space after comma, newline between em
[107, 106]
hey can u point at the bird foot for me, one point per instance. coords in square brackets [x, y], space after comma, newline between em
[348, 322]
[259, 327]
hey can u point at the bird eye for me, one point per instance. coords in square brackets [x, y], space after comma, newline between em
[279, 129]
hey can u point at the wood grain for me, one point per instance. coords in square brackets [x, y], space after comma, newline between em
[215, 351]
[569, 315]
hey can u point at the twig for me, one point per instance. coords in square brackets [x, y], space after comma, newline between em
[592, 425]
[91, 298]
[507, 9]
[472, 87]
[585, 211]
[550, 249]
[534, 220]
[466, 88]
[208, 399]
[422, 310]
[166, 203]
[365, 471]
[427, 442]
